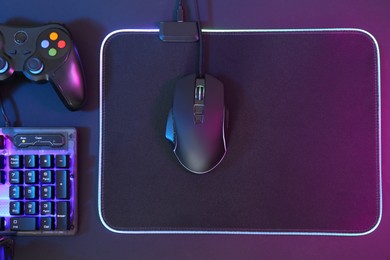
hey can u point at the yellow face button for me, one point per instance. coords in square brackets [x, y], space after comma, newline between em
[53, 36]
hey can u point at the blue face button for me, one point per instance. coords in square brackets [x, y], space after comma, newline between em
[45, 44]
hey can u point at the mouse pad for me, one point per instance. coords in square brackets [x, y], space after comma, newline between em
[303, 153]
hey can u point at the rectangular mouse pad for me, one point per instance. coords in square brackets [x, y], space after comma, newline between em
[303, 139]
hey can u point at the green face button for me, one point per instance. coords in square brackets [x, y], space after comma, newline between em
[52, 52]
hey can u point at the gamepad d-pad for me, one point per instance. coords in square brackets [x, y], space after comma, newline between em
[44, 53]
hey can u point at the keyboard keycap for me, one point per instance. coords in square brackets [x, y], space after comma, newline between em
[15, 161]
[31, 208]
[2, 224]
[62, 184]
[30, 161]
[16, 208]
[62, 161]
[2, 177]
[1, 142]
[47, 192]
[2, 162]
[23, 224]
[62, 216]
[16, 192]
[47, 223]
[31, 192]
[31, 177]
[47, 208]
[47, 176]
[46, 161]
[15, 177]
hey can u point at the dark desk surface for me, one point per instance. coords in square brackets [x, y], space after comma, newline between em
[89, 21]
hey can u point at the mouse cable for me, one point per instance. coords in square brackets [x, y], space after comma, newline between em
[7, 123]
[6, 248]
[200, 62]
[180, 12]
[180, 18]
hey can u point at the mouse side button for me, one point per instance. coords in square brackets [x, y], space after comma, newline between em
[169, 132]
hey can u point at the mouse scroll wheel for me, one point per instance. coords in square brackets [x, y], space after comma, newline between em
[199, 104]
[199, 92]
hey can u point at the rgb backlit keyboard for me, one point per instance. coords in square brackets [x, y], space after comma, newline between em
[38, 181]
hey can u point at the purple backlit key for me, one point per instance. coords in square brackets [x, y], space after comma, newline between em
[62, 184]
[15, 177]
[23, 224]
[30, 161]
[15, 161]
[46, 161]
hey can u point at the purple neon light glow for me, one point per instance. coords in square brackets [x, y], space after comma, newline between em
[10, 149]
[75, 77]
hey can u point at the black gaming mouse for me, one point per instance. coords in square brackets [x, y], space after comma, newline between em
[197, 123]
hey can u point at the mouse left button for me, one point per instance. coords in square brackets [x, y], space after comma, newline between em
[169, 132]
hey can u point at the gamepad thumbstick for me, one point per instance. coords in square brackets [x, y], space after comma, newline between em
[34, 66]
[3, 65]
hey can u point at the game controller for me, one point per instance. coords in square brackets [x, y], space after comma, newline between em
[44, 53]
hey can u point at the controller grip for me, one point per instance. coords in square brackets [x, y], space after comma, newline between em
[68, 81]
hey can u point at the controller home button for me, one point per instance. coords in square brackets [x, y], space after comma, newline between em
[34, 66]
[20, 37]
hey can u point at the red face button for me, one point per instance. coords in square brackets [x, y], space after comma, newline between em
[61, 44]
